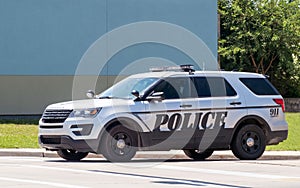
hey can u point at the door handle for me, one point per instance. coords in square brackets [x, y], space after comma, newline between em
[185, 106]
[235, 103]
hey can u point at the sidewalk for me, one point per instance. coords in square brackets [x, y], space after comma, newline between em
[268, 155]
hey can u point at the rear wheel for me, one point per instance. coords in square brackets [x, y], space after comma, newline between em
[71, 155]
[119, 144]
[249, 143]
[198, 155]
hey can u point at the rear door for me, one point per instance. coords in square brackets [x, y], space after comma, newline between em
[219, 107]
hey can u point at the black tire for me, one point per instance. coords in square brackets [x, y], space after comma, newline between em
[198, 155]
[71, 155]
[119, 144]
[249, 143]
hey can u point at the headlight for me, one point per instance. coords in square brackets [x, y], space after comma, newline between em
[85, 113]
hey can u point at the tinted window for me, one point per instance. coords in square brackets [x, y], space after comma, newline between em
[213, 87]
[259, 86]
[174, 88]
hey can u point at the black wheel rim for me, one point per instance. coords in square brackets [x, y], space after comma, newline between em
[121, 144]
[251, 142]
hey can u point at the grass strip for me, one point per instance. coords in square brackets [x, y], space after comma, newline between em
[18, 136]
[293, 141]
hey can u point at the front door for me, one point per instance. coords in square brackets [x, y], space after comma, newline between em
[169, 119]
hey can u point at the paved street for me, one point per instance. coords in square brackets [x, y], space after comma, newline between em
[97, 172]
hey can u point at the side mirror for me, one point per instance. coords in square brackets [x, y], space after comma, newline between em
[90, 94]
[135, 93]
[157, 96]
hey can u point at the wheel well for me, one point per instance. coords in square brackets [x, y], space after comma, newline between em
[252, 120]
[128, 123]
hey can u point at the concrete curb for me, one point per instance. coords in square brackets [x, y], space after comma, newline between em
[218, 155]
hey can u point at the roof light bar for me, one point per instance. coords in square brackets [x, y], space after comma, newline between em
[184, 68]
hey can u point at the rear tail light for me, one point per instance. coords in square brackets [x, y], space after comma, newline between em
[280, 102]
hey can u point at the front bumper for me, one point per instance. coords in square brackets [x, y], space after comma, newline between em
[56, 142]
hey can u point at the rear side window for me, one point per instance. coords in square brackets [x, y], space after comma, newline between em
[213, 87]
[259, 86]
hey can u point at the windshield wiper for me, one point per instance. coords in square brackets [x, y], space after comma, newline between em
[105, 97]
[111, 97]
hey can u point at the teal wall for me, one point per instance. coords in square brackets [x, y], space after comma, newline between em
[47, 37]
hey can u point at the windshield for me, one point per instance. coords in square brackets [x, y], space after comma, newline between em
[123, 88]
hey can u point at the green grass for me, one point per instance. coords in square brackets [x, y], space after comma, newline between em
[20, 121]
[25, 136]
[293, 141]
[18, 136]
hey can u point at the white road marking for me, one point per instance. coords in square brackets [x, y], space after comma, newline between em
[150, 178]
[40, 182]
[226, 172]
[166, 167]
[23, 158]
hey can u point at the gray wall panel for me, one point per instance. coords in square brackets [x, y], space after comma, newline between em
[29, 95]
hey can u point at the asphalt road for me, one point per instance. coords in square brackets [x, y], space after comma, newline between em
[97, 172]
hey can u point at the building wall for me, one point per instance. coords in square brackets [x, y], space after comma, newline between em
[42, 42]
[29, 95]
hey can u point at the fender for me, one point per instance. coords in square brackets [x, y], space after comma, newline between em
[124, 121]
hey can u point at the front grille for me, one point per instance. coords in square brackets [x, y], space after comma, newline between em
[51, 127]
[50, 139]
[55, 116]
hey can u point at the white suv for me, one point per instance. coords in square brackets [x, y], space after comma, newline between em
[169, 109]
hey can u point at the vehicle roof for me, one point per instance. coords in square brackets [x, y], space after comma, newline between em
[163, 74]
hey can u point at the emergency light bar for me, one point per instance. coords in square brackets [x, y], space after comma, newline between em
[184, 68]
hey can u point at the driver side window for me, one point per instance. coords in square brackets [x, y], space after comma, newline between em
[174, 88]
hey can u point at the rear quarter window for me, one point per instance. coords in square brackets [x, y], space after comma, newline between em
[259, 86]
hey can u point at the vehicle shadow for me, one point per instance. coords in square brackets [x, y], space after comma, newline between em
[135, 160]
[167, 180]
[155, 179]
[100, 159]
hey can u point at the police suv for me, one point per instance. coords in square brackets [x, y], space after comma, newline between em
[169, 108]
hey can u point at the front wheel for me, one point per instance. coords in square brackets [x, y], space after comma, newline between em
[119, 144]
[249, 143]
[198, 155]
[71, 155]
